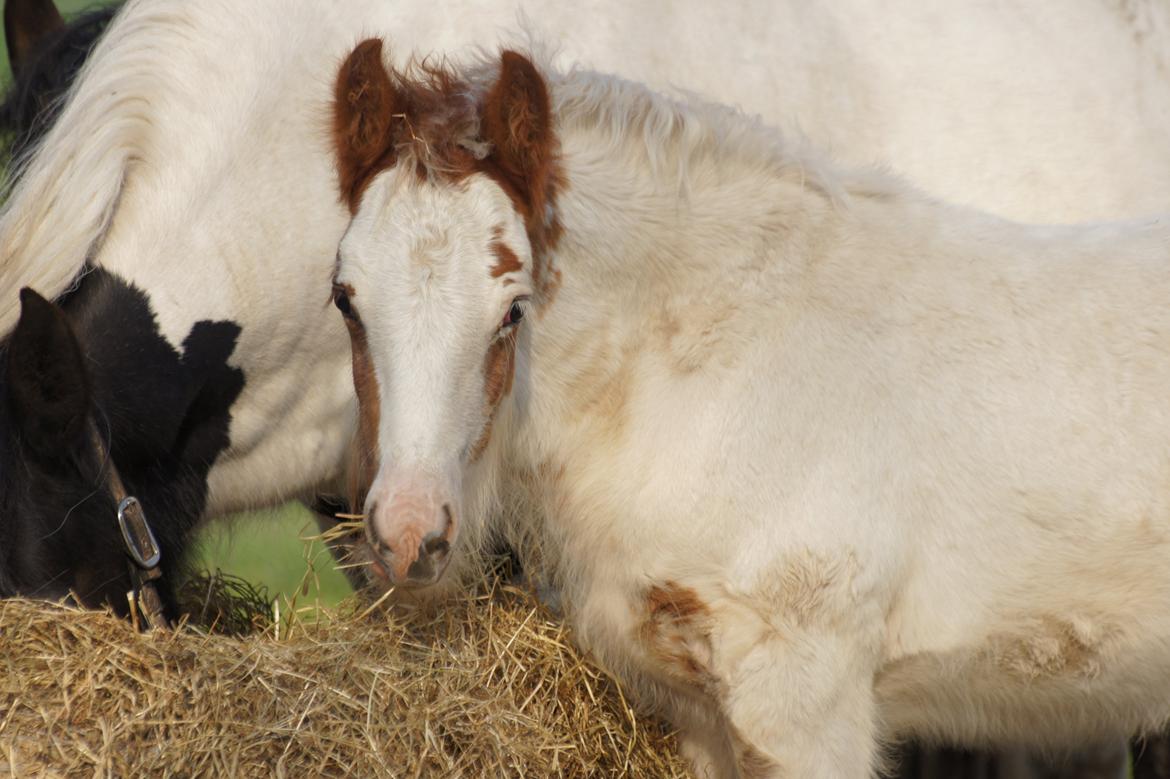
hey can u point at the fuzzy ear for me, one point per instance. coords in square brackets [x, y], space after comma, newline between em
[364, 103]
[517, 121]
[48, 387]
[27, 23]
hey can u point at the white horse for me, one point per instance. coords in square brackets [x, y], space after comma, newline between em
[192, 158]
[816, 461]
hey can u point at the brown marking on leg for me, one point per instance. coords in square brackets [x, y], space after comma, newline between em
[676, 633]
[676, 603]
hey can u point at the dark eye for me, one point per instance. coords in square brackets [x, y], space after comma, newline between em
[514, 315]
[341, 300]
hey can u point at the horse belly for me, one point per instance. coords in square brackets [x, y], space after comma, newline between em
[1054, 681]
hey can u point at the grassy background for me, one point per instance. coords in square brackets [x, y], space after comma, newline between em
[268, 548]
[273, 549]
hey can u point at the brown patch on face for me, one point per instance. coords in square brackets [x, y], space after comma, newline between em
[676, 633]
[506, 259]
[499, 369]
[365, 456]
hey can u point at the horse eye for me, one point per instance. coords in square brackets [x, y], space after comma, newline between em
[515, 314]
[341, 300]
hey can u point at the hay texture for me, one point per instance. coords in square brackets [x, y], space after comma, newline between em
[489, 687]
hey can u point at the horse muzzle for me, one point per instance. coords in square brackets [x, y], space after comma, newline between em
[412, 535]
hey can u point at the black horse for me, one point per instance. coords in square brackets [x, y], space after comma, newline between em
[84, 421]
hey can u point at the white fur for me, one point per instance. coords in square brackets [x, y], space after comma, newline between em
[910, 459]
[194, 159]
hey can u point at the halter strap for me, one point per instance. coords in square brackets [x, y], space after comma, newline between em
[142, 550]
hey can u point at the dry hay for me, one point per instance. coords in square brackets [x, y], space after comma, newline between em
[490, 686]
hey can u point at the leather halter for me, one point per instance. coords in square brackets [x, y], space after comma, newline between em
[142, 550]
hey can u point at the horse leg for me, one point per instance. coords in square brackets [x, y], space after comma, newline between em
[796, 700]
[702, 737]
[802, 705]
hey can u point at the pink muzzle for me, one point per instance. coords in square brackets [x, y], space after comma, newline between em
[411, 527]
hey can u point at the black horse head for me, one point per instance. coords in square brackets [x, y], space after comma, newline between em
[97, 366]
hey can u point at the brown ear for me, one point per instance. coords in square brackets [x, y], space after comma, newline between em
[27, 23]
[517, 121]
[364, 103]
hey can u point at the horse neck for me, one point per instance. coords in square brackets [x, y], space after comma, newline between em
[655, 242]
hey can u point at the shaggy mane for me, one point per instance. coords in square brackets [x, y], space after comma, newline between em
[438, 121]
[440, 129]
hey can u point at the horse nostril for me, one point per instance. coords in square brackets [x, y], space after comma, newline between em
[432, 553]
[434, 544]
[438, 542]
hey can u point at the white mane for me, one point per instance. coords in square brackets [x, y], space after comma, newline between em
[671, 136]
[64, 193]
[666, 134]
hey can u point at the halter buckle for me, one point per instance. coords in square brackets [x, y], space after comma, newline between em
[136, 533]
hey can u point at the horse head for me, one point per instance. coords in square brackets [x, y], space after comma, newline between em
[451, 190]
[58, 512]
[95, 406]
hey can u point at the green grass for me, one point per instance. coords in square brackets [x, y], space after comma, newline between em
[272, 549]
[73, 6]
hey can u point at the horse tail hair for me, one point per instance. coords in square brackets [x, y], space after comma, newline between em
[62, 195]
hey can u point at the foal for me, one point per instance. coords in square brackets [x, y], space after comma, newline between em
[815, 462]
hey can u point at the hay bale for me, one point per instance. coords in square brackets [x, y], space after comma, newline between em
[490, 686]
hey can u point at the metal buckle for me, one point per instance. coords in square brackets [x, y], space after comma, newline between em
[140, 540]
